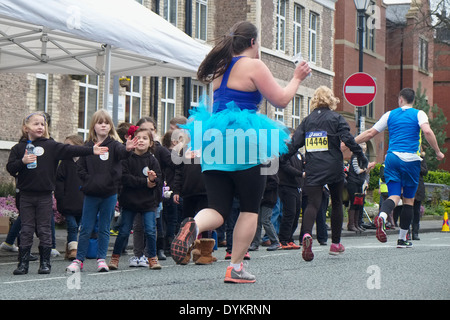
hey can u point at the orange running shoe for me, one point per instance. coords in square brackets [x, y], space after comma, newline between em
[184, 239]
[238, 276]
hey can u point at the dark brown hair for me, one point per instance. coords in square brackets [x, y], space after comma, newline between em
[216, 62]
[150, 135]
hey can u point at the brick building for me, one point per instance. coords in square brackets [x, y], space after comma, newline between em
[441, 79]
[409, 52]
[396, 53]
[347, 63]
[286, 27]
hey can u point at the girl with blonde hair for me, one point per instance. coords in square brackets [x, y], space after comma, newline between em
[100, 177]
[36, 185]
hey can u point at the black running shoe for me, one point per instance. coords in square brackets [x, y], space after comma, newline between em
[404, 244]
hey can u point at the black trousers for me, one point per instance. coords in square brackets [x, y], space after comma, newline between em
[36, 214]
[291, 200]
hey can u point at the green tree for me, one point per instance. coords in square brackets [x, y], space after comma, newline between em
[437, 121]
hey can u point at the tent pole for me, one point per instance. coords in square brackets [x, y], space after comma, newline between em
[107, 75]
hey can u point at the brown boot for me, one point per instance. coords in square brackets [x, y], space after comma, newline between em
[191, 250]
[357, 222]
[71, 250]
[206, 248]
[153, 263]
[114, 263]
[66, 255]
[351, 221]
[196, 250]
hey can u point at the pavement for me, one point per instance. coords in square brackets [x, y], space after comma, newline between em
[427, 224]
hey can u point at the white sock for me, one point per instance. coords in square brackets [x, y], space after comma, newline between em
[383, 215]
[402, 234]
[236, 266]
[196, 231]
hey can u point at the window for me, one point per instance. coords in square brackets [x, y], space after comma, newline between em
[279, 114]
[87, 103]
[170, 11]
[281, 25]
[369, 32]
[133, 100]
[423, 54]
[201, 8]
[296, 110]
[370, 113]
[168, 101]
[198, 91]
[298, 19]
[313, 24]
[41, 92]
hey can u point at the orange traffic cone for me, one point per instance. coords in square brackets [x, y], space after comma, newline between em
[445, 225]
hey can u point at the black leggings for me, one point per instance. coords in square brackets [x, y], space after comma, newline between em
[314, 194]
[222, 186]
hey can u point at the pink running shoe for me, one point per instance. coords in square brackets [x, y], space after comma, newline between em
[75, 266]
[307, 253]
[336, 249]
[381, 229]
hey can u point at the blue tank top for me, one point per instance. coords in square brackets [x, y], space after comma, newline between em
[404, 130]
[243, 99]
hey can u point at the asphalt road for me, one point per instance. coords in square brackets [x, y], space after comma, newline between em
[367, 270]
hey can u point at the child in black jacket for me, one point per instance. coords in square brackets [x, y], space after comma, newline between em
[69, 197]
[290, 184]
[37, 184]
[140, 194]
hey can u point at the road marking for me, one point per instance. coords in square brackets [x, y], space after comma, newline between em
[34, 280]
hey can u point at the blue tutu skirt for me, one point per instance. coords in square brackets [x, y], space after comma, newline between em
[235, 139]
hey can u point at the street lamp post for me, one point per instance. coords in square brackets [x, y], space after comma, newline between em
[361, 8]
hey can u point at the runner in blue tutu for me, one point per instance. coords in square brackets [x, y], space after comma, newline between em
[234, 140]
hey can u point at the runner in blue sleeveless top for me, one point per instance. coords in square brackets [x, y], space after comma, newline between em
[402, 165]
[235, 140]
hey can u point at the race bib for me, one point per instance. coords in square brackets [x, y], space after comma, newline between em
[316, 141]
[104, 156]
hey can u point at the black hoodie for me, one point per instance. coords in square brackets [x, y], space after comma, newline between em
[43, 177]
[101, 174]
[69, 197]
[135, 195]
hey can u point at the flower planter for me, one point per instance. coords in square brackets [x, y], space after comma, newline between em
[124, 82]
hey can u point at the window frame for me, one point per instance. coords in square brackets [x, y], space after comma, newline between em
[42, 78]
[201, 23]
[169, 7]
[281, 25]
[87, 85]
[313, 36]
[298, 28]
[165, 101]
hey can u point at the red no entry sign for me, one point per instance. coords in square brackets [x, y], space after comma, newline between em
[360, 89]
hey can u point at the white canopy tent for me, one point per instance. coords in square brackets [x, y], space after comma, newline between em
[97, 37]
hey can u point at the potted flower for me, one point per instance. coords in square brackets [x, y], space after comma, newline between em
[124, 81]
[8, 212]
